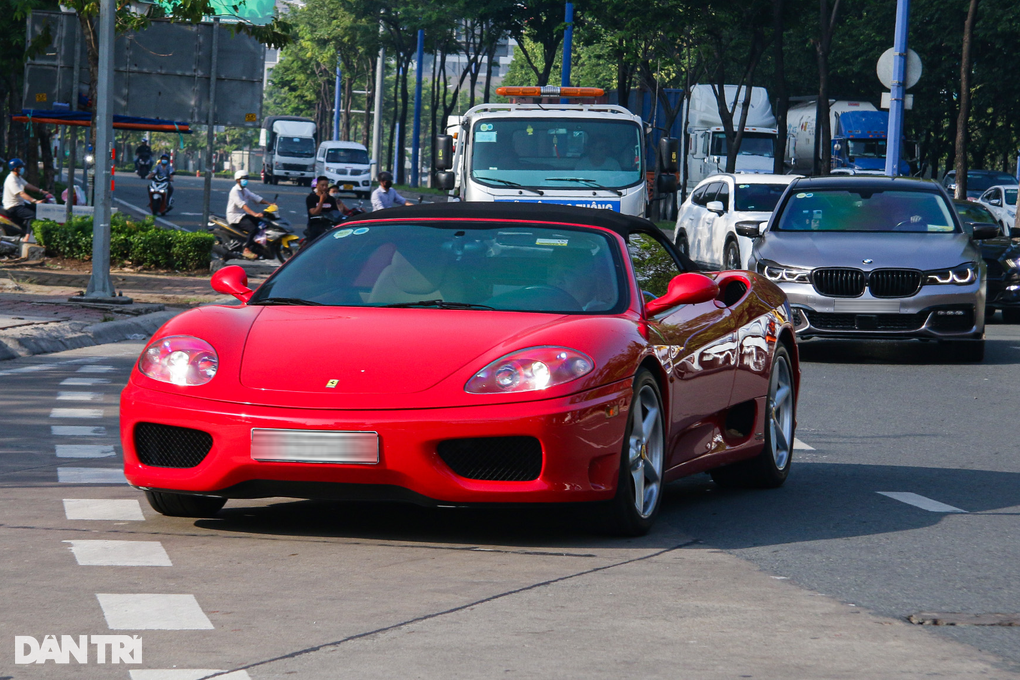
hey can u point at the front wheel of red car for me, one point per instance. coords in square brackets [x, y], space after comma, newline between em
[770, 468]
[181, 505]
[639, 489]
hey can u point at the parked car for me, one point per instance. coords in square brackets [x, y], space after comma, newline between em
[978, 181]
[347, 165]
[1001, 202]
[1002, 261]
[536, 370]
[868, 257]
[706, 225]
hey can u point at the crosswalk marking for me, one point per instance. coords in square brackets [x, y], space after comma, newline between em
[120, 553]
[49, 366]
[185, 674]
[103, 509]
[151, 611]
[798, 445]
[82, 382]
[84, 451]
[81, 475]
[96, 369]
[920, 501]
[79, 396]
[76, 413]
[77, 431]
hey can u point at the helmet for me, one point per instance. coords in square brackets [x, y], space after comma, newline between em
[385, 177]
[15, 163]
[166, 156]
[240, 174]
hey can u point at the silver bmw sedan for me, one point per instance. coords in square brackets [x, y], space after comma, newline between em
[870, 257]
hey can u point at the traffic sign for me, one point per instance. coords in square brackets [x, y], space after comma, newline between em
[885, 68]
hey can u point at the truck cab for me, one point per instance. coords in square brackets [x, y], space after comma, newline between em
[289, 143]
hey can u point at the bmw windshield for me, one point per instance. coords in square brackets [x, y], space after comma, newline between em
[516, 267]
[866, 210]
[569, 153]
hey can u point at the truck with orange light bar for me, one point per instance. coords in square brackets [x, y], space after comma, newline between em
[545, 151]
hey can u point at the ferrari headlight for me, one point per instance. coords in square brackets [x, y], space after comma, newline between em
[179, 360]
[962, 275]
[527, 370]
[779, 274]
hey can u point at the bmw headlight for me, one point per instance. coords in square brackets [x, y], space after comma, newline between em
[778, 273]
[961, 275]
[1012, 262]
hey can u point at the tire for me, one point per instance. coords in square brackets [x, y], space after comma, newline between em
[1011, 315]
[682, 245]
[642, 462]
[731, 256]
[286, 251]
[770, 468]
[963, 351]
[181, 505]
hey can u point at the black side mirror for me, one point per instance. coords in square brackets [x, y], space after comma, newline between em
[444, 152]
[669, 152]
[445, 180]
[984, 231]
[748, 229]
[1014, 232]
[665, 184]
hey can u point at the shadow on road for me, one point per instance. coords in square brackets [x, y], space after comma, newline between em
[997, 352]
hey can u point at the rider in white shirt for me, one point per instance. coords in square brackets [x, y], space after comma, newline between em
[385, 196]
[240, 215]
[18, 204]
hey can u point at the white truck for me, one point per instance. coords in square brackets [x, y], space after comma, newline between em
[588, 155]
[706, 143]
[289, 149]
[858, 133]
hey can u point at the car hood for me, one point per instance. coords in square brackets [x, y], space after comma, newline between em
[851, 249]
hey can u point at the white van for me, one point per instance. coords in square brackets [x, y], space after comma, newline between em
[347, 165]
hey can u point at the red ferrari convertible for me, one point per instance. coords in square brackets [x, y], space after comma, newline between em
[467, 354]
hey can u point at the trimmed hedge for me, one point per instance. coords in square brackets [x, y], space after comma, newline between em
[140, 243]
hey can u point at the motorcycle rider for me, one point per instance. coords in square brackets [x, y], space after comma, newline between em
[240, 215]
[18, 204]
[143, 153]
[164, 170]
[320, 203]
[385, 196]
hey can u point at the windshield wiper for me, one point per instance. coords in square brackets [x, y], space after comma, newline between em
[508, 183]
[286, 301]
[441, 304]
[589, 182]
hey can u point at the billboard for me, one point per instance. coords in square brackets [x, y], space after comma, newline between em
[159, 72]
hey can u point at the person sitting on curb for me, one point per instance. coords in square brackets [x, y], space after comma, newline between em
[385, 196]
[240, 215]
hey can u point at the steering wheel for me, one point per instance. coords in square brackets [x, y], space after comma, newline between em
[540, 298]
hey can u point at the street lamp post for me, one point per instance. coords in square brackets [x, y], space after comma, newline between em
[895, 133]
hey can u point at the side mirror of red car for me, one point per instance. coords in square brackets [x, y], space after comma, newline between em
[232, 280]
[685, 289]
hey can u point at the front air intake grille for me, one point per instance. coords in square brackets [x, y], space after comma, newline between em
[894, 283]
[498, 459]
[170, 446]
[839, 282]
[959, 319]
[867, 322]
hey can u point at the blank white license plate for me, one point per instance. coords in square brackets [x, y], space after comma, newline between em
[315, 446]
[867, 306]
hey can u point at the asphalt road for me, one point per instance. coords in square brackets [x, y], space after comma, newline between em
[813, 580]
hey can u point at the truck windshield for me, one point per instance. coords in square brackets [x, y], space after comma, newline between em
[296, 147]
[758, 197]
[566, 152]
[866, 148]
[753, 144]
[355, 156]
[866, 210]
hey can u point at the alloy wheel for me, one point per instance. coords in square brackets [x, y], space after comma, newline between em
[780, 405]
[645, 450]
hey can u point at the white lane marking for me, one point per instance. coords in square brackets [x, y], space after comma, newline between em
[96, 369]
[151, 611]
[79, 396]
[920, 501]
[84, 451]
[145, 213]
[120, 553]
[185, 674]
[76, 413]
[82, 382]
[103, 509]
[798, 445]
[79, 475]
[48, 366]
[77, 431]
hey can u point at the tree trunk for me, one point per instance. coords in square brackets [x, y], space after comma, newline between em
[823, 126]
[369, 102]
[402, 141]
[782, 94]
[45, 136]
[964, 116]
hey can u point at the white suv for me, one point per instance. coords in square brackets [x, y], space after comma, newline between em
[707, 221]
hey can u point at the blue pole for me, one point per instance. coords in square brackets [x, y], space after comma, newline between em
[415, 142]
[894, 137]
[336, 101]
[568, 44]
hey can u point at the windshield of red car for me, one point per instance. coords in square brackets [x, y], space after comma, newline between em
[866, 210]
[514, 267]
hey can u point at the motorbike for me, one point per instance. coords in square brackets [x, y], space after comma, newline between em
[335, 218]
[275, 238]
[143, 165]
[160, 201]
[11, 236]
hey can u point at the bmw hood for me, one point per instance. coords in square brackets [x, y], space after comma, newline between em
[867, 250]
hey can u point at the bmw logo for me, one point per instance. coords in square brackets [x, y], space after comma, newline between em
[867, 261]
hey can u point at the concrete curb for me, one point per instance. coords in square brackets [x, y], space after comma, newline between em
[57, 337]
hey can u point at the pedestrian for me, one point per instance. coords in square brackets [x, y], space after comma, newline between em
[385, 196]
[239, 213]
[320, 203]
[18, 204]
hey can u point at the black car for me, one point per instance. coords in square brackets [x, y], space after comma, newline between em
[978, 181]
[1002, 258]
